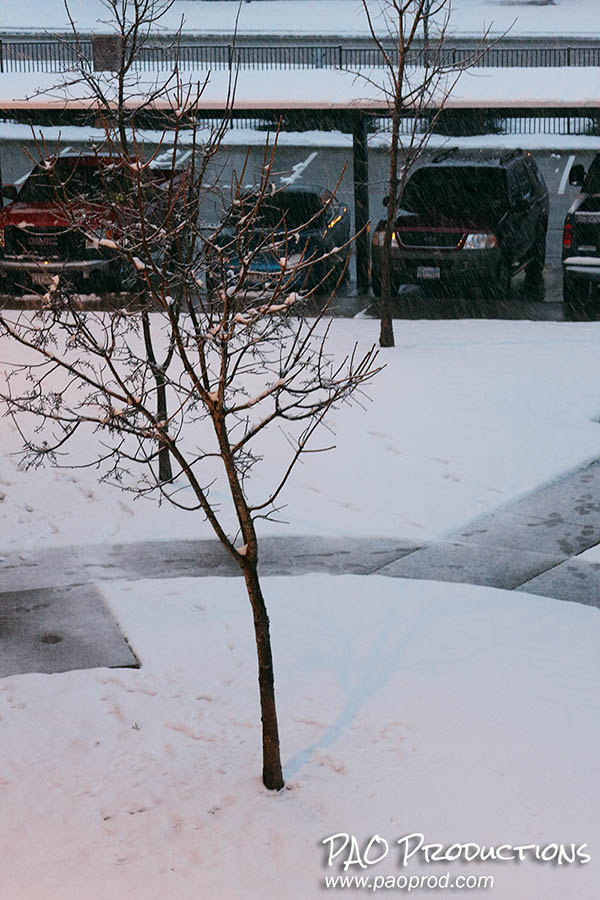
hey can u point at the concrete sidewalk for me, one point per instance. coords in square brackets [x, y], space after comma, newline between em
[52, 617]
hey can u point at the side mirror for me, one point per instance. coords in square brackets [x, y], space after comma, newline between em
[9, 191]
[386, 200]
[577, 175]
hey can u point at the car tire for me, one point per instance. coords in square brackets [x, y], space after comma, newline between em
[534, 270]
[576, 292]
[500, 288]
[376, 285]
[330, 275]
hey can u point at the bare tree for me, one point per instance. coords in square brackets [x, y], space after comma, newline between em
[419, 76]
[204, 356]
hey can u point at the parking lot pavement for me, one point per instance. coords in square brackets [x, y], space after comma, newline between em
[411, 303]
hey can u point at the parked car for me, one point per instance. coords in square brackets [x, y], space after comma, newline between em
[581, 240]
[63, 218]
[468, 221]
[295, 232]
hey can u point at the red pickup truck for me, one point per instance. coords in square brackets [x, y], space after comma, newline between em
[64, 217]
[43, 230]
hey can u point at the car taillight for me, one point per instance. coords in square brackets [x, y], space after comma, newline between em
[1, 236]
[568, 235]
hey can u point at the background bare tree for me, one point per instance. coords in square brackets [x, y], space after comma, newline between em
[199, 374]
[419, 76]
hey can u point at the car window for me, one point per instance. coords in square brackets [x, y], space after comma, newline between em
[452, 190]
[284, 210]
[539, 185]
[524, 183]
[80, 180]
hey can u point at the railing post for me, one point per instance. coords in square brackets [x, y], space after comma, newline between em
[340, 56]
[1, 58]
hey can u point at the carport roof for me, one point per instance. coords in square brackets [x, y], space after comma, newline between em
[323, 89]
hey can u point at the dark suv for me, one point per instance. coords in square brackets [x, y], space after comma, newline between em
[468, 221]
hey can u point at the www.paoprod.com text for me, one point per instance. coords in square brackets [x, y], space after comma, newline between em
[373, 883]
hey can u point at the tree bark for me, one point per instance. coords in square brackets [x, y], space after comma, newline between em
[165, 470]
[272, 771]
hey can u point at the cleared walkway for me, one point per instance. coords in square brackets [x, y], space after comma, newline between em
[53, 619]
[531, 544]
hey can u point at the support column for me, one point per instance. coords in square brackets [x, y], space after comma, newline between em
[361, 200]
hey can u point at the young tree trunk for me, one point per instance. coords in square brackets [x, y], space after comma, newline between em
[272, 772]
[386, 335]
[165, 470]
[386, 329]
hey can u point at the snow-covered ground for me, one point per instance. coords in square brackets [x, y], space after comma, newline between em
[323, 89]
[463, 713]
[465, 416]
[335, 18]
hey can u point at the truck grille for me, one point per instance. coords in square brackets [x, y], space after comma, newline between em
[44, 243]
[444, 239]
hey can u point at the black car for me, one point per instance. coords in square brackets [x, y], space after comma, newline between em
[295, 235]
[581, 240]
[468, 221]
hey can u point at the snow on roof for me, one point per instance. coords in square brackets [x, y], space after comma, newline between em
[331, 18]
[330, 89]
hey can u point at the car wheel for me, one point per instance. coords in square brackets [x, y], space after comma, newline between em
[500, 287]
[330, 275]
[376, 285]
[534, 270]
[576, 292]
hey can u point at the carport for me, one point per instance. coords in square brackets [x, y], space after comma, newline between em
[322, 100]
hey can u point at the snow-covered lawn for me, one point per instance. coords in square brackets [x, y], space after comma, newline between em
[465, 416]
[462, 713]
[465, 714]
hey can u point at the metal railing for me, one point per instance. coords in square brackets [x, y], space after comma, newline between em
[57, 56]
[501, 122]
[42, 56]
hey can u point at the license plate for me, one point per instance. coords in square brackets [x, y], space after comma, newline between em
[429, 272]
[44, 278]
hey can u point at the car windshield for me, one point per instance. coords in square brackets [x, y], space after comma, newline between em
[79, 180]
[285, 210]
[451, 191]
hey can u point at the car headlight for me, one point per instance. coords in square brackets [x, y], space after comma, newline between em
[480, 241]
[378, 239]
